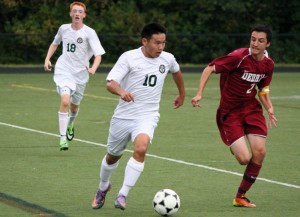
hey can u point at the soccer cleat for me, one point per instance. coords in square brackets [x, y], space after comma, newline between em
[99, 199]
[70, 132]
[63, 145]
[120, 202]
[243, 202]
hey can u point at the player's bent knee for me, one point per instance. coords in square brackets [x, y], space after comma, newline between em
[243, 160]
[259, 154]
[140, 151]
[65, 102]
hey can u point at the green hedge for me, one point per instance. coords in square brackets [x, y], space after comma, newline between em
[198, 30]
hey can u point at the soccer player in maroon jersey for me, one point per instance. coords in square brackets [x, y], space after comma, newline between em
[240, 114]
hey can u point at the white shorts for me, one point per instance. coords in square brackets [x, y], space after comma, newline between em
[76, 95]
[121, 131]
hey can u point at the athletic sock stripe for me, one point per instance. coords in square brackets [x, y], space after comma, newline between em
[249, 179]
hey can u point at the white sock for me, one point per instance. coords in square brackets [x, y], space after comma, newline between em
[132, 173]
[105, 173]
[72, 117]
[63, 123]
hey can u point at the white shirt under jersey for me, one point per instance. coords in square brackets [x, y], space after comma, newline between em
[144, 78]
[78, 47]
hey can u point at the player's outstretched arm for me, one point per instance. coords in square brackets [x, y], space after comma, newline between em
[202, 83]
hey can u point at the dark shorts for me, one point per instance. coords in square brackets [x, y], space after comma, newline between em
[241, 121]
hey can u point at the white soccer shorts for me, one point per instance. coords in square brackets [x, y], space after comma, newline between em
[76, 95]
[121, 131]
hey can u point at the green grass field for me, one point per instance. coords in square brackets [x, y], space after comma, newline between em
[187, 154]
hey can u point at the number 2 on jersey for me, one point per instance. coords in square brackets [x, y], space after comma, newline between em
[250, 89]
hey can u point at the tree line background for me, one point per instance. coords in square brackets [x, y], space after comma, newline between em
[198, 30]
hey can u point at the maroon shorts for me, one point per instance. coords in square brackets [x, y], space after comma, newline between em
[238, 122]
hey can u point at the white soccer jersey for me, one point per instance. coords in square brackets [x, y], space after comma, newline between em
[78, 47]
[144, 78]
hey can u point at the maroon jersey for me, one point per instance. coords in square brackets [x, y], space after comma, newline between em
[240, 74]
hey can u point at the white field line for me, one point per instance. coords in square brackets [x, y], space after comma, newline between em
[156, 156]
[27, 86]
[285, 97]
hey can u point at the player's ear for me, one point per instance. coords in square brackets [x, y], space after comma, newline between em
[144, 41]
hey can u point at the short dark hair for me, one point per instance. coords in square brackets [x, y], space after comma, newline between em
[152, 28]
[265, 29]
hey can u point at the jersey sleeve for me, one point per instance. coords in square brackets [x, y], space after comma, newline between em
[226, 63]
[119, 70]
[267, 80]
[174, 66]
[95, 44]
[58, 37]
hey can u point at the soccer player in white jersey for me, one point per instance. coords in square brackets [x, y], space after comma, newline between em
[137, 78]
[72, 69]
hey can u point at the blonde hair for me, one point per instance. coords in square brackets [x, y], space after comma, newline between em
[78, 3]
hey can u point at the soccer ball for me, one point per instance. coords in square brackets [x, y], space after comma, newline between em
[166, 202]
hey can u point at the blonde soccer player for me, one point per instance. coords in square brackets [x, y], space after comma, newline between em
[72, 69]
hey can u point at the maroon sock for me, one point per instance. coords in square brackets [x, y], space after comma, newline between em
[251, 172]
